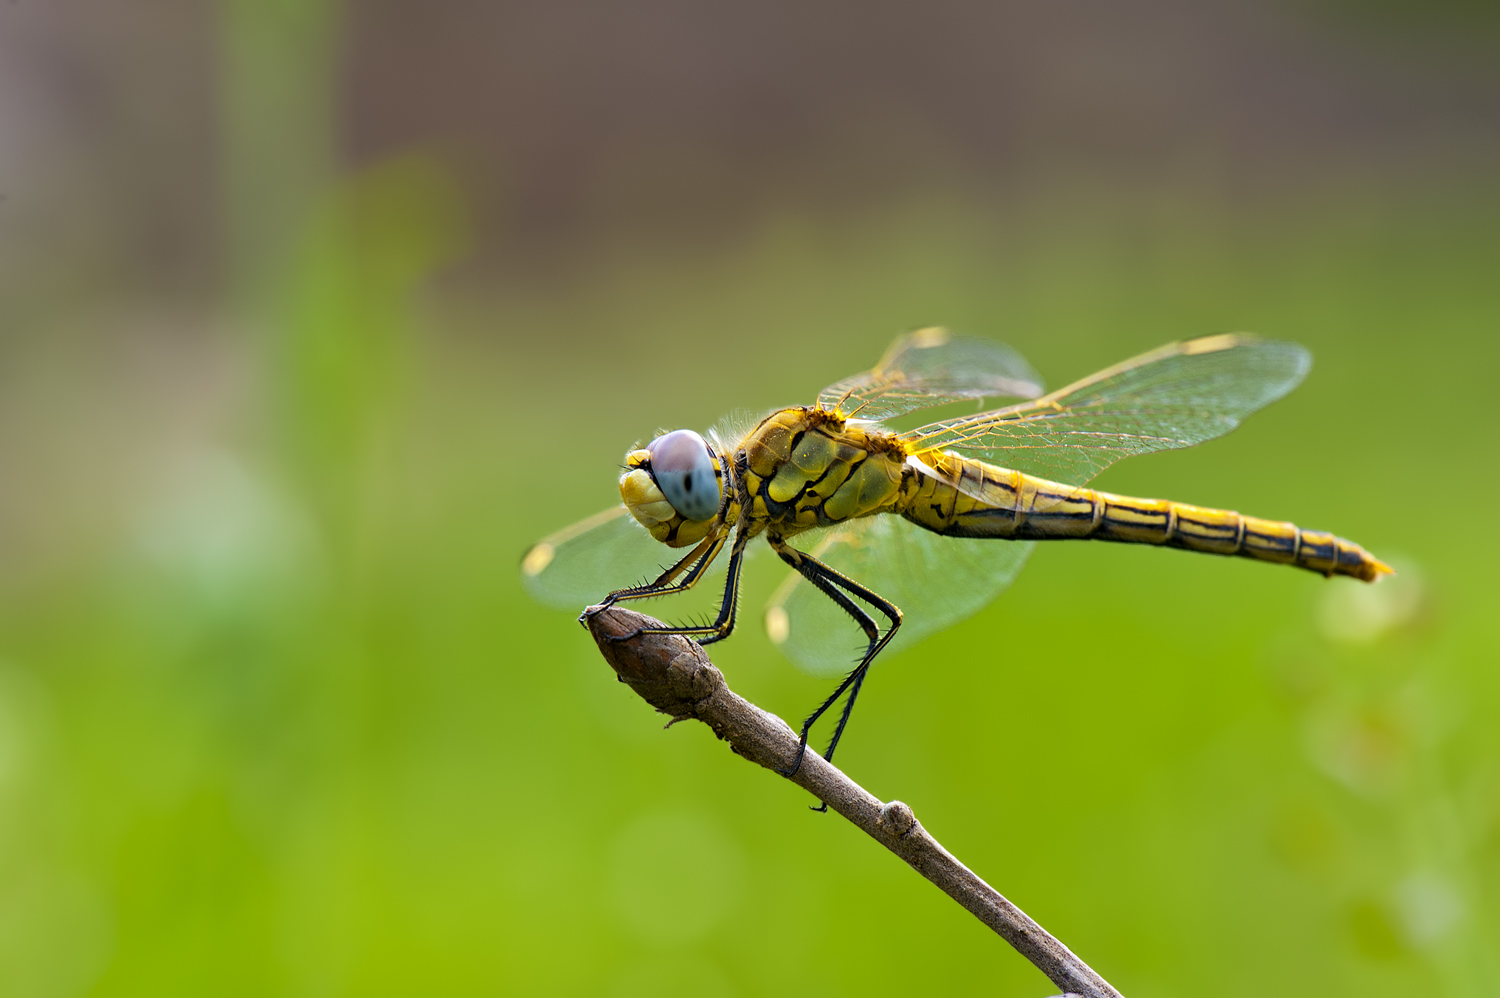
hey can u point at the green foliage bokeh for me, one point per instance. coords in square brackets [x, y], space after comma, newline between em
[285, 722]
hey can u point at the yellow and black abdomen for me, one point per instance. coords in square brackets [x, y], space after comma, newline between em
[968, 498]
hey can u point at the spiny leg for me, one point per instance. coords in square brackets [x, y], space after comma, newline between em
[699, 557]
[805, 565]
[723, 625]
[834, 585]
[703, 554]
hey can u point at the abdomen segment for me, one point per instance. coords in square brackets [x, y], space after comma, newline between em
[981, 500]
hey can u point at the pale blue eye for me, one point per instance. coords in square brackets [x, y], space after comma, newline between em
[684, 472]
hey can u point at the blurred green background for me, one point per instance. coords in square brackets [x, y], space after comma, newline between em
[314, 315]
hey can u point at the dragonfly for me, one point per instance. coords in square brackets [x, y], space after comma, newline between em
[924, 527]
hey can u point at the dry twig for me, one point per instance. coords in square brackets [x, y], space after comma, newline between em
[675, 676]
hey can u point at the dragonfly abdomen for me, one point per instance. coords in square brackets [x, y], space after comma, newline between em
[1225, 532]
[969, 498]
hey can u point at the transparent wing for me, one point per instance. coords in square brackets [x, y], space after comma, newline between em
[935, 580]
[579, 565]
[930, 367]
[1176, 396]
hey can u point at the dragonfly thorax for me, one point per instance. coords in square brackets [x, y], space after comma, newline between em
[673, 487]
[807, 467]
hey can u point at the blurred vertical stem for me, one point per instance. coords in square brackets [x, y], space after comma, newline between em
[277, 96]
[344, 324]
[322, 267]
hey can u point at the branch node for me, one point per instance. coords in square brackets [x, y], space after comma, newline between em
[897, 819]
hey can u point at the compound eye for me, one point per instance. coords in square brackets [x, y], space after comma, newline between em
[684, 471]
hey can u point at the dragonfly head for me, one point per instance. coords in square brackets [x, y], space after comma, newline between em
[673, 486]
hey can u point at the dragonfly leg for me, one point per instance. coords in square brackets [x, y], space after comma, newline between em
[704, 554]
[839, 587]
[723, 625]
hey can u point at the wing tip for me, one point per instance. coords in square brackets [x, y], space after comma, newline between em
[778, 625]
[1219, 342]
[536, 559]
[928, 337]
[1215, 343]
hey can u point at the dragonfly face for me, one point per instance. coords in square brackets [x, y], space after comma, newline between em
[673, 486]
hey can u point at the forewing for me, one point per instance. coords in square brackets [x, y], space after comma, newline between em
[935, 580]
[579, 565]
[931, 367]
[1176, 396]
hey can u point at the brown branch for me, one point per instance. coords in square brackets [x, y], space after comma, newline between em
[675, 676]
